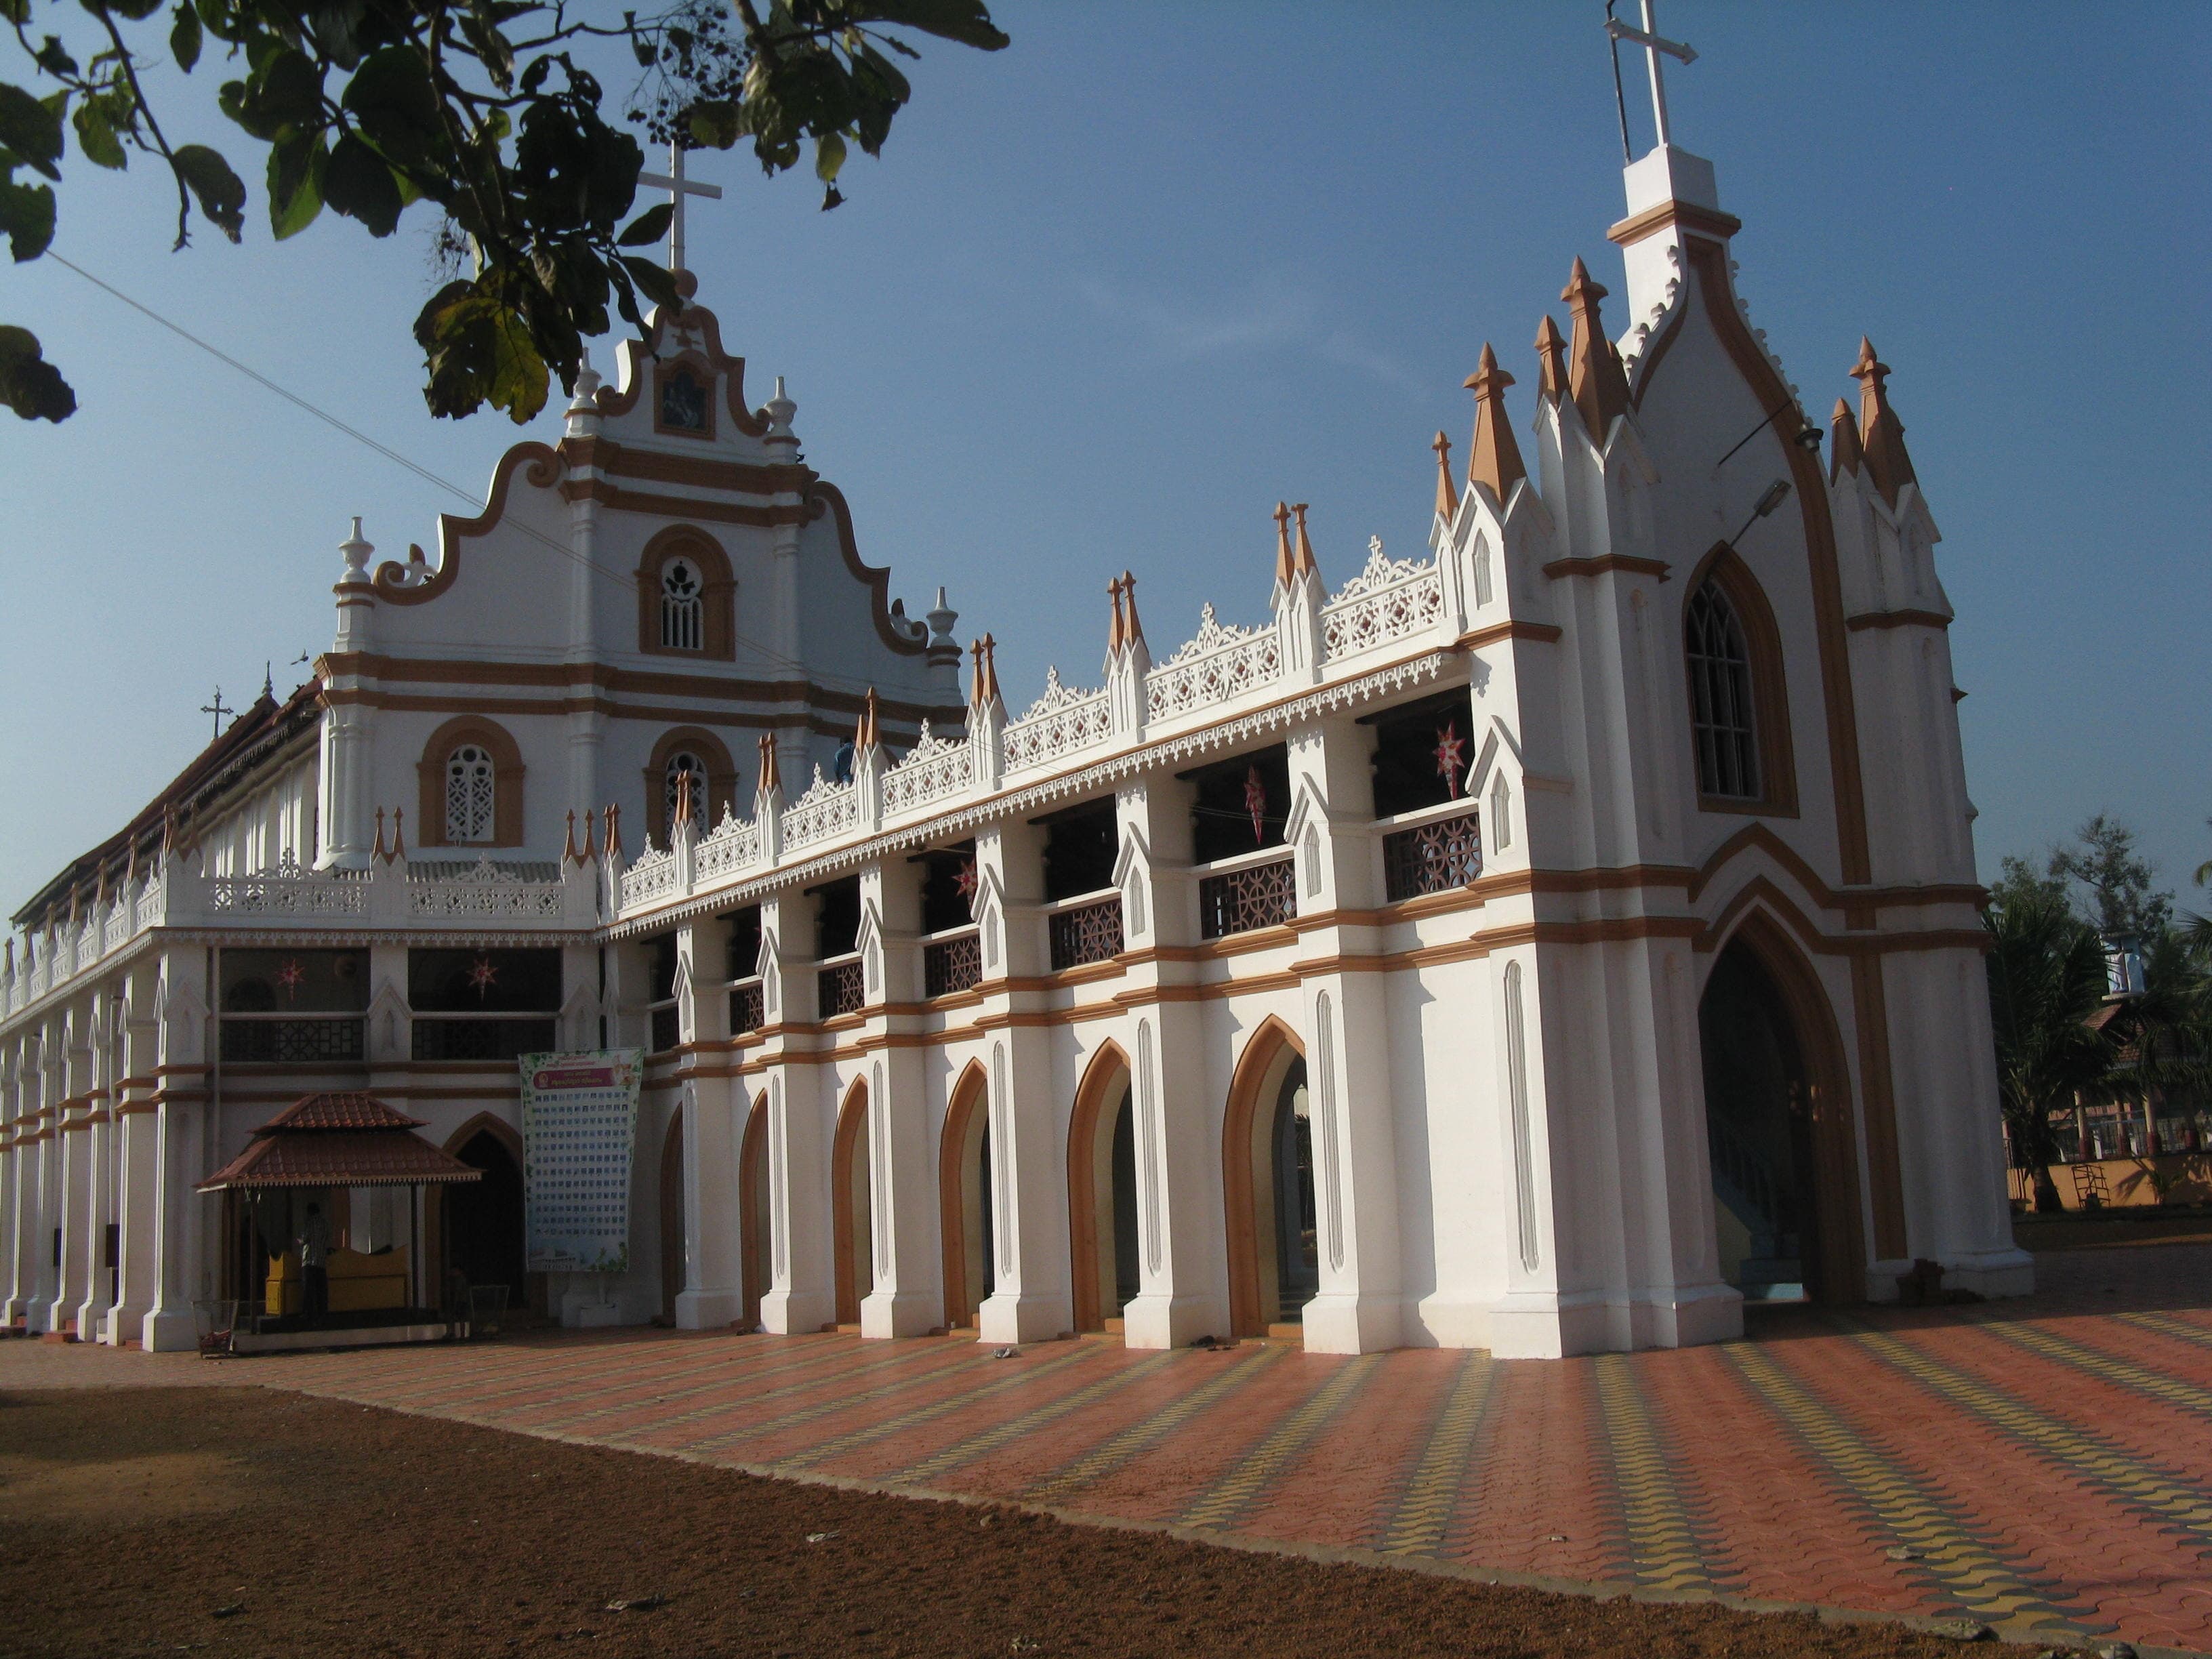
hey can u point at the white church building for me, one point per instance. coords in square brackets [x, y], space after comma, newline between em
[1548, 944]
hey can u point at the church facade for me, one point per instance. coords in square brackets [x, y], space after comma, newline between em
[1547, 944]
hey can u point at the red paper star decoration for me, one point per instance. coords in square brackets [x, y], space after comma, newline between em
[1451, 753]
[1256, 803]
[483, 975]
[289, 976]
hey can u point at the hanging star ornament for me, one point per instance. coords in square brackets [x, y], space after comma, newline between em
[1451, 754]
[482, 976]
[1256, 803]
[289, 976]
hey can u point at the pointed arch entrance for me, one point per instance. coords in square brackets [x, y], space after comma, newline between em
[753, 1274]
[852, 1204]
[482, 1226]
[671, 1214]
[1102, 1193]
[1781, 1133]
[1267, 1184]
[963, 1197]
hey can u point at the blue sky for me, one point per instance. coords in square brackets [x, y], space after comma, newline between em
[1113, 292]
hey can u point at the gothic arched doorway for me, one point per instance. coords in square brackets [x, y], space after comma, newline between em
[1779, 1126]
[754, 1277]
[671, 1214]
[1267, 1186]
[963, 1196]
[483, 1219]
[852, 1208]
[1102, 1193]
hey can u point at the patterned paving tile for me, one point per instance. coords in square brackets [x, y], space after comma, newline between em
[2044, 1467]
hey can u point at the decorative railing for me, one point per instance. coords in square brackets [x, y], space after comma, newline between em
[288, 891]
[932, 770]
[652, 876]
[1432, 858]
[824, 810]
[335, 1040]
[1086, 932]
[950, 965]
[748, 1008]
[840, 988]
[1241, 901]
[1219, 663]
[484, 891]
[1388, 601]
[734, 844]
[1057, 724]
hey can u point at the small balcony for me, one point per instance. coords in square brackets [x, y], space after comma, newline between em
[1242, 901]
[840, 988]
[1435, 857]
[1087, 930]
[953, 964]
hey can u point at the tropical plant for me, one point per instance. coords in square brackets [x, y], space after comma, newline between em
[2046, 972]
[486, 110]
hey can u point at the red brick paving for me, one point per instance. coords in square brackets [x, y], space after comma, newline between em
[1785, 1470]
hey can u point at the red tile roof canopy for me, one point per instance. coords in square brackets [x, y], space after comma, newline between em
[339, 1140]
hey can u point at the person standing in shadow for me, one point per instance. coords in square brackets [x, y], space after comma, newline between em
[315, 1263]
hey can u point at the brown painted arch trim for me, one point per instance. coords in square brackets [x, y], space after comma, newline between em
[970, 1094]
[1240, 1219]
[826, 497]
[390, 582]
[508, 774]
[1770, 685]
[1110, 1064]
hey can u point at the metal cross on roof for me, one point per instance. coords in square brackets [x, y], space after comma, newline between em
[678, 187]
[1653, 43]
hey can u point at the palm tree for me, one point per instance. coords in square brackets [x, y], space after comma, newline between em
[2046, 970]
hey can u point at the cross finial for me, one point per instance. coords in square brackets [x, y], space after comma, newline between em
[216, 709]
[678, 187]
[1653, 43]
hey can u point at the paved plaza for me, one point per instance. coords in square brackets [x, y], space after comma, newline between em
[2044, 1467]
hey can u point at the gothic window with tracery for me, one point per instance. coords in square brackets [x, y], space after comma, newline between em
[680, 765]
[1723, 720]
[682, 605]
[471, 794]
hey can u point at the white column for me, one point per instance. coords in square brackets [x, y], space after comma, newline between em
[908, 1296]
[713, 1293]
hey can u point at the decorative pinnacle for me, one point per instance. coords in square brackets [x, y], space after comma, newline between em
[1285, 567]
[771, 775]
[1303, 562]
[1595, 377]
[1844, 455]
[1447, 491]
[1881, 434]
[1552, 358]
[1493, 458]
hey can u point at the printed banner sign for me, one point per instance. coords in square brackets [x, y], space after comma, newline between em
[579, 1126]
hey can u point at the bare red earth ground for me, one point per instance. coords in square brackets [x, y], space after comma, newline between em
[241, 1520]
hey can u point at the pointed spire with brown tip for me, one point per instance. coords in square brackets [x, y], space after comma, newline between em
[1492, 457]
[1552, 361]
[1286, 568]
[1303, 562]
[1595, 379]
[1881, 434]
[1132, 631]
[1845, 454]
[771, 774]
[1447, 491]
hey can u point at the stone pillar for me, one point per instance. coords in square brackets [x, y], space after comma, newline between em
[1030, 1302]
[1183, 1267]
[802, 1294]
[1344, 1022]
[713, 1293]
[907, 1297]
[181, 1114]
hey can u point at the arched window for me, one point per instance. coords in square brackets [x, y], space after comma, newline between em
[1723, 720]
[680, 765]
[681, 607]
[472, 795]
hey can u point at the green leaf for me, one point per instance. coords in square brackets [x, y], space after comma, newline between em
[29, 385]
[221, 193]
[649, 226]
[357, 182]
[27, 213]
[95, 135]
[185, 36]
[829, 156]
[295, 183]
[32, 127]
